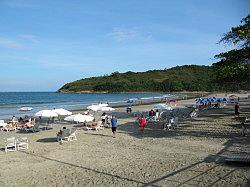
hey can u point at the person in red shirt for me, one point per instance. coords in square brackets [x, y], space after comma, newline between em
[142, 122]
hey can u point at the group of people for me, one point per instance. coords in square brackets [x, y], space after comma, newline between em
[21, 123]
[104, 116]
[154, 114]
[113, 122]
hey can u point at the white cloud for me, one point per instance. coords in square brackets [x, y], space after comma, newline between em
[8, 43]
[121, 35]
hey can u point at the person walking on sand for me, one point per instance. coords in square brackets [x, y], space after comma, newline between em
[236, 109]
[157, 115]
[114, 125]
[142, 123]
[243, 129]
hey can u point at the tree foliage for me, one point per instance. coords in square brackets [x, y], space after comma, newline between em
[239, 35]
[234, 65]
[189, 77]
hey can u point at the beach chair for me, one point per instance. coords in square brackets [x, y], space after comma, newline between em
[150, 118]
[66, 135]
[2, 124]
[10, 144]
[99, 126]
[72, 135]
[22, 143]
[176, 120]
[9, 127]
[194, 114]
[35, 128]
[87, 128]
[170, 125]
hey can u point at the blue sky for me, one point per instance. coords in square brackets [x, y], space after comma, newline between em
[45, 44]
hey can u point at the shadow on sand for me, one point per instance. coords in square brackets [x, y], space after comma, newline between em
[47, 140]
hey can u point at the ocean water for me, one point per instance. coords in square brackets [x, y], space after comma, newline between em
[10, 102]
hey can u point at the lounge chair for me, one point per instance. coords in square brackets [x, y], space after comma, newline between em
[67, 135]
[175, 122]
[10, 144]
[9, 127]
[194, 114]
[72, 135]
[87, 128]
[170, 124]
[22, 143]
[35, 128]
[99, 126]
[2, 124]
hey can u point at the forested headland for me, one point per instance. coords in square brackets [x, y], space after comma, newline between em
[180, 78]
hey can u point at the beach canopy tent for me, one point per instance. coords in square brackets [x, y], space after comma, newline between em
[210, 99]
[162, 107]
[24, 109]
[46, 113]
[79, 118]
[62, 112]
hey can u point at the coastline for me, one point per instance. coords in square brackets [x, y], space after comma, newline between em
[50, 100]
[81, 104]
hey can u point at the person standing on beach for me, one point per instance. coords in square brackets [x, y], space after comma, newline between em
[157, 115]
[243, 129]
[114, 125]
[236, 109]
[142, 123]
[104, 118]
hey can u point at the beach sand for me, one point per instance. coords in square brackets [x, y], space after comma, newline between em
[190, 155]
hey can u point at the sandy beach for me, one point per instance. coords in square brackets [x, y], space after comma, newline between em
[191, 155]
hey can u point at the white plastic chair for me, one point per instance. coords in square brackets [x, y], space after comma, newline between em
[2, 124]
[35, 128]
[10, 144]
[170, 124]
[67, 135]
[22, 143]
[176, 120]
[99, 126]
[72, 135]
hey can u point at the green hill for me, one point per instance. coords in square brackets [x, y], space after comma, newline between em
[180, 78]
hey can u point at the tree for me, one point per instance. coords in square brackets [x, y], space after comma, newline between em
[234, 65]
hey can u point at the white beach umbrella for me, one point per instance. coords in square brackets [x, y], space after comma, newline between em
[106, 109]
[94, 107]
[79, 118]
[25, 109]
[62, 112]
[46, 113]
[97, 107]
[162, 107]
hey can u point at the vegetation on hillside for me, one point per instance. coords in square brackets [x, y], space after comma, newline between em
[188, 77]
